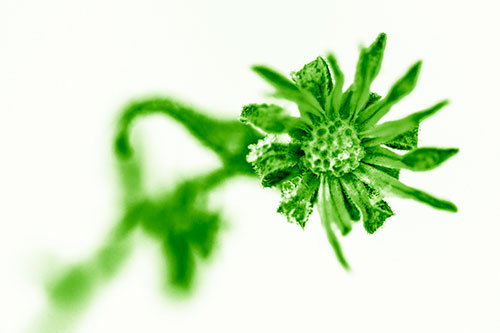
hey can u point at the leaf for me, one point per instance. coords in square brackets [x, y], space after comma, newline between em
[400, 89]
[424, 159]
[288, 90]
[335, 98]
[297, 198]
[374, 215]
[270, 118]
[315, 78]
[274, 162]
[388, 184]
[369, 63]
[389, 130]
[380, 212]
[327, 215]
[405, 141]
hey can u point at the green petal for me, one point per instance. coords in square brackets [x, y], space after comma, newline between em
[421, 159]
[327, 214]
[353, 211]
[297, 198]
[387, 131]
[270, 118]
[406, 141]
[394, 173]
[369, 63]
[383, 157]
[343, 218]
[274, 162]
[388, 184]
[288, 90]
[315, 78]
[400, 89]
[335, 98]
[424, 159]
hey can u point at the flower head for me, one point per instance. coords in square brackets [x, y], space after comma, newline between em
[336, 154]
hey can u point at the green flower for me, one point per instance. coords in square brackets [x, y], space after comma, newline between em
[336, 154]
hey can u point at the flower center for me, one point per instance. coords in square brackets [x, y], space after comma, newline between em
[335, 148]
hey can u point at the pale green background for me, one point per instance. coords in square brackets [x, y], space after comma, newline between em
[67, 67]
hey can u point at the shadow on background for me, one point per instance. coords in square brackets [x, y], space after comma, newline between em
[179, 219]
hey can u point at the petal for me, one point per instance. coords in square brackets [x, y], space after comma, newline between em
[421, 159]
[343, 218]
[387, 131]
[370, 116]
[335, 98]
[327, 214]
[424, 159]
[369, 63]
[388, 184]
[383, 157]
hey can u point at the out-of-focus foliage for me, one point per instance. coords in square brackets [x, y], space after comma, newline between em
[179, 218]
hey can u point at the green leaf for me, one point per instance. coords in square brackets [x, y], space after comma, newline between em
[274, 162]
[288, 90]
[315, 78]
[327, 215]
[380, 212]
[335, 98]
[389, 130]
[270, 118]
[400, 89]
[369, 63]
[374, 214]
[388, 184]
[424, 159]
[297, 198]
[405, 141]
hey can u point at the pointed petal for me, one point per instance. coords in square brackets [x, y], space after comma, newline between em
[335, 98]
[369, 63]
[388, 184]
[327, 216]
[387, 131]
[383, 157]
[400, 89]
[343, 219]
[424, 159]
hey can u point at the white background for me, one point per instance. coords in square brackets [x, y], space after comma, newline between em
[67, 68]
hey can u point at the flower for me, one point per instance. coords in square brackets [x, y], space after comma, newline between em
[336, 154]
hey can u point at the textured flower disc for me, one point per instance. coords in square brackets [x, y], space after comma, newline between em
[334, 149]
